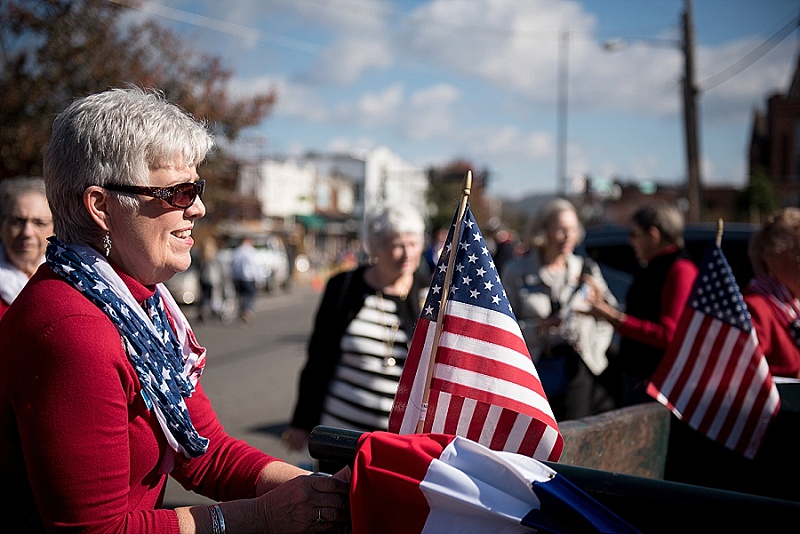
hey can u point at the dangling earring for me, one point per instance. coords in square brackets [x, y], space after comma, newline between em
[107, 243]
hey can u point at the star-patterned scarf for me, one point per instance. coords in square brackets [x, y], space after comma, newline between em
[781, 299]
[166, 363]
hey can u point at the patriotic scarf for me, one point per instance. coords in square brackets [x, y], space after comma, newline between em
[167, 364]
[778, 295]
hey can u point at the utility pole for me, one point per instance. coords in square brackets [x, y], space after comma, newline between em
[690, 119]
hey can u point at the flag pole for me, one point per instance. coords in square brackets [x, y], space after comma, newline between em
[448, 278]
[719, 232]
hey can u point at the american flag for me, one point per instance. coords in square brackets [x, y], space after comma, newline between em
[484, 385]
[713, 375]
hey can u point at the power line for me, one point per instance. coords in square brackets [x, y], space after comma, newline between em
[230, 28]
[750, 58]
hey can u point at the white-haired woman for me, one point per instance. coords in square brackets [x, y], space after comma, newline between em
[100, 392]
[362, 331]
[545, 289]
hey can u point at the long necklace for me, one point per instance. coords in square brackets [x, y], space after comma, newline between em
[388, 359]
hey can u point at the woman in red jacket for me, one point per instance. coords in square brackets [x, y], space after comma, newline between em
[772, 295]
[655, 300]
[100, 397]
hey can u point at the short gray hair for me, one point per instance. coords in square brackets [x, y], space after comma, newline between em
[382, 222]
[664, 217]
[546, 216]
[13, 188]
[114, 136]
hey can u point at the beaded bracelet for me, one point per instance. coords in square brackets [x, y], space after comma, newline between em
[217, 520]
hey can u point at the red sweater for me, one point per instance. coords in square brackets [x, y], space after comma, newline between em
[774, 338]
[78, 448]
[674, 294]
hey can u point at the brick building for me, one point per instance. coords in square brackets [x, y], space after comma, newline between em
[775, 143]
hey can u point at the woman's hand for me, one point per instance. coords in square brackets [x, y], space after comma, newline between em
[308, 503]
[599, 307]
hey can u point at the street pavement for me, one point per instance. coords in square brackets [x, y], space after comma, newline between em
[251, 373]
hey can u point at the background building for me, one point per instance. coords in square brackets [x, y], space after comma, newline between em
[775, 144]
[318, 200]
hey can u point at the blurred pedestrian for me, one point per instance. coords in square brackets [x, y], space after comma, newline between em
[362, 331]
[434, 249]
[26, 224]
[655, 300]
[100, 373]
[212, 281]
[244, 272]
[546, 292]
[504, 247]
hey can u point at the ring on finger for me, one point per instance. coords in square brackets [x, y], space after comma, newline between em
[319, 519]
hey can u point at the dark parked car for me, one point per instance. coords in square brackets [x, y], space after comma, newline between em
[609, 246]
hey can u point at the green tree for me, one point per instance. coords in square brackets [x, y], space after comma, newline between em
[759, 199]
[446, 186]
[53, 51]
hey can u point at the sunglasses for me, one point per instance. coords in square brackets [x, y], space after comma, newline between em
[180, 196]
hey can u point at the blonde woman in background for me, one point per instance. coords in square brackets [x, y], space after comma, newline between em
[545, 288]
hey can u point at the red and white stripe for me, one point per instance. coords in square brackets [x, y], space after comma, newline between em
[484, 387]
[718, 381]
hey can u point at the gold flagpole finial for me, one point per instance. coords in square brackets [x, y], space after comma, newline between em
[467, 184]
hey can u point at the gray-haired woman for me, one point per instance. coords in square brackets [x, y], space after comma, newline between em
[362, 330]
[100, 392]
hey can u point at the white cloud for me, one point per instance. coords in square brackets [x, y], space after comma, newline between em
[509, 44]
[356, 37]
[510, 143]
[293, 100]
[428, 114]
[375, 109]
[343, 63]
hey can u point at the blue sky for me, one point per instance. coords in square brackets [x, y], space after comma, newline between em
[479, 80]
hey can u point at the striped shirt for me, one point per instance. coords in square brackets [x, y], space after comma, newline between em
[361, 393]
